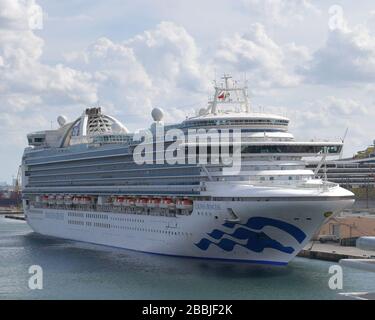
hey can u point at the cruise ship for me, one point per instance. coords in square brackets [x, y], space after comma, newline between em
[84, 182]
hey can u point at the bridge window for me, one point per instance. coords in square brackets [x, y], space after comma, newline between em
[291, 149]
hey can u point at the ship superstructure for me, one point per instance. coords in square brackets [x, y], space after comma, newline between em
[82, 182]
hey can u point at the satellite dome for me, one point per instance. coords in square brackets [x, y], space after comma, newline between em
[61, 120]
[157, 114]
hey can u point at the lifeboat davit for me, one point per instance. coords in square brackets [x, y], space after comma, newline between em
[76, 200]
[68, 200]
[126, 202]
[184, 204]
[172, 205]
[130, 202]
[51, 199]
[166, 203]
[141, 202]
[153, 203]
[59, 199]
[86, 200]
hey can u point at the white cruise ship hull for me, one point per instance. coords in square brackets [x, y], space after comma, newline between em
[268, 231]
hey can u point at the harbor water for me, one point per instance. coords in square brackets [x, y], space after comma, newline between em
[73, 270]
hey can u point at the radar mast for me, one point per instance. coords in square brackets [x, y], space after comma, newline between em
[229, 93]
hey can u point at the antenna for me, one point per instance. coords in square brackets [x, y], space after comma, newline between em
[343, 140]
[226, 77]
[228, 93]
[345, 134]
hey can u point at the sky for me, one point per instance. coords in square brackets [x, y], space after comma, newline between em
[312, 61]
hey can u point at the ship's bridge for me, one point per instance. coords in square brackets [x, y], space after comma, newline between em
[251, 122]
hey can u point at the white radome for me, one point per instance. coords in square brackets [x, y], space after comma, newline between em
[157, 114]
[202, 112]
[61, 120]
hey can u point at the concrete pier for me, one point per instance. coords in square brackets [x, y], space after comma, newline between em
[10, 211]
[334, 252]
[16, 217]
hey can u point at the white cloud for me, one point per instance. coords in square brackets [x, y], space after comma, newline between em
[155, 68]
[281, 12]
[259, 55]
[70, 19]
[24, 79]
[29, 88]
[348, 57]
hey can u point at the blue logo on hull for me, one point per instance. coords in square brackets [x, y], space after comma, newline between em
[256, 241]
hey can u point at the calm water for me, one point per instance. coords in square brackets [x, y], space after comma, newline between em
[74, 270]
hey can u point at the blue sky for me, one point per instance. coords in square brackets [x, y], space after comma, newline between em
[313, 61]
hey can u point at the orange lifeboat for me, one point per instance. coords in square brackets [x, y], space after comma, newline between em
[121, 200]
[45, 199]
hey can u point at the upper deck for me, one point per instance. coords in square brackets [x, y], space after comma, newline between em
[228, 110]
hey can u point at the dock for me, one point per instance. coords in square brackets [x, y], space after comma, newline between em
[333, 252]
[16, 217]
[12, 213]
